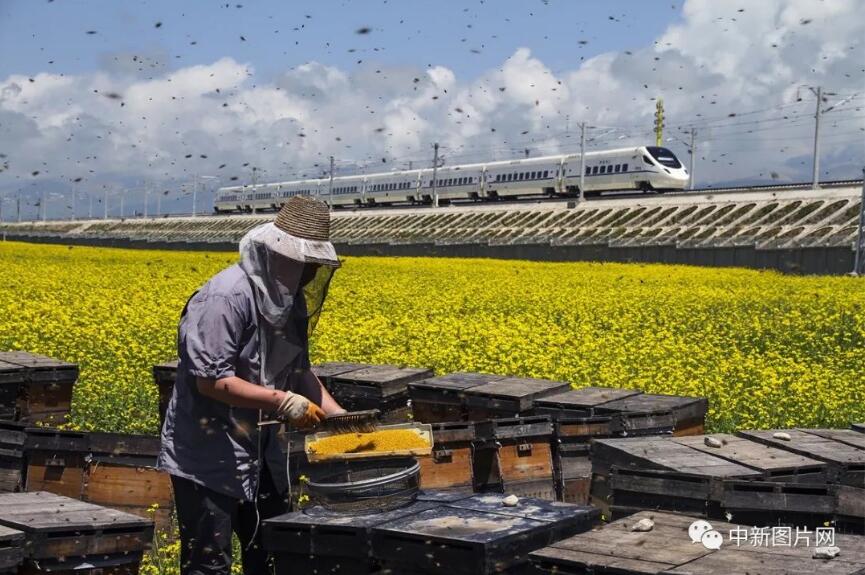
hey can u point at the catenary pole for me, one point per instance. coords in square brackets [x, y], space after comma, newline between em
[582, 161]
[815, 175]
[435, 192]
[858, 263]
[330, 186]
[693, 157]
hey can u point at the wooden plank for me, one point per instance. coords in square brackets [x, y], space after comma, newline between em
[42, 511]
[389, 379]
[449, 466]
[735, 561]
[585, 398]
[60, 473]
[809, 445]
[526, 461]
[458, 381]
[125, 444]
[687, 410]
[332, 368]
[847, 436]
[768, 460]
[119, 485]
[662, 453]
[517, 393]
[557, 561]
[615, 546]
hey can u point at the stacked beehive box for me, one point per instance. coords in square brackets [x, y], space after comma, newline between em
[62, 535]
[439, 532]
[803, 477]
[35, 389]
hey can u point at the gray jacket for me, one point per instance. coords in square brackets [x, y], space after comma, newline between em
[205, 440]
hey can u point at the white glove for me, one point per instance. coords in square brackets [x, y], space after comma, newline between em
[300, 411]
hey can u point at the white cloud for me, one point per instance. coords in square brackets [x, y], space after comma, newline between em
[114, 127]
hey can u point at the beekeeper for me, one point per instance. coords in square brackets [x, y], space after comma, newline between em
[244, 357]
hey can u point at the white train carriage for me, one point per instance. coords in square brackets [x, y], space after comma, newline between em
[643, 168]
[453, 183]
[347, 191]
[391, 187]
[230, 199]
[530, 176]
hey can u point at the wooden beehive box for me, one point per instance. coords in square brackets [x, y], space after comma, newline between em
[508, 397]
[316, 540]
[56, 461]
[121, 473]
[45, 394]
[843, 450]
[475, 535]
[689, 413]
[12, 460]
[667, 549]
[326, 371]
[382, 387]
[442, 398]
[63, 535]
[514, 456]
[11, 549]
[690, 483]
[164, 376]
[450, 465]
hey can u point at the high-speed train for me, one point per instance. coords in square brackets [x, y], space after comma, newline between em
[645, 168]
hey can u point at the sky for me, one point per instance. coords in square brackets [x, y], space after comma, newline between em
[103, 99]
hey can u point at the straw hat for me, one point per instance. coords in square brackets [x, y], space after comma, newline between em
[305, 218]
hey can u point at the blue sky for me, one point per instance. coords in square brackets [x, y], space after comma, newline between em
[467, 37]
[137, 106]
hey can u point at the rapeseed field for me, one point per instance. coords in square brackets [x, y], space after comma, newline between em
[766, 349]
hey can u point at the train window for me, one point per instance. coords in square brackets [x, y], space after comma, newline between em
[617, 167]
[498, 177]
[624, 167]
[546, 174]
[594, 170]
[510, 177]
[647, 160]
[588, 170]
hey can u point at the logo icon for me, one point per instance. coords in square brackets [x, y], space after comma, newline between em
[701, 531]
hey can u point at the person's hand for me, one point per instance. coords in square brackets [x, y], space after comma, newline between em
[299, 411]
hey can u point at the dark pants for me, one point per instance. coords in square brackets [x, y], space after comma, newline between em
[207, 519]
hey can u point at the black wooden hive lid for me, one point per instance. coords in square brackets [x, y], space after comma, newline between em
[518, 388]
[40, 511]
[664, 454]
[124, 444]
[458, 381]
[809, 445]
[531, 508]
[12, 373]
[319, 516]
[333, 368]
[651, 403]
[56, 440]
[389, 378]
[9, 535]
[750, 453]
[453, 525]
[41, 367]
[586, 397]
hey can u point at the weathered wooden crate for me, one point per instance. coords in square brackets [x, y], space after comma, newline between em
[327, 371]
[12, 380]
[12, 462]
[451, 463]
[514, 455]
[11, 549]
[622, 481]
[316, 540]
[846, 461]
[63, 535]
[164, 376]
[45, 394]
[689, 413]
[581, 414]
[121, 473]
[382, 387]
[772, 463]
[475, 535]
[573, 472]
[667, 549]
[442, 398]
[56, 461]
[508, 397]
